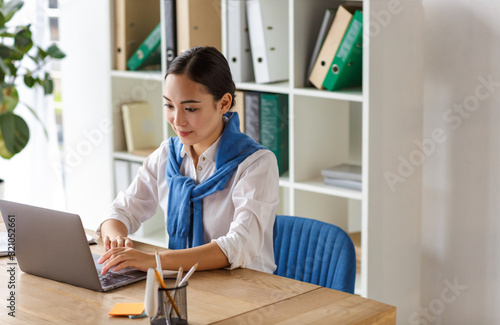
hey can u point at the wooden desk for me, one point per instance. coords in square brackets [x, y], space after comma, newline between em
[240, 296]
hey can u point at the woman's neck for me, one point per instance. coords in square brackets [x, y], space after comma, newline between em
[197, 150]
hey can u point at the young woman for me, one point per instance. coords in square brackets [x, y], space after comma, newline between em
[217, 187]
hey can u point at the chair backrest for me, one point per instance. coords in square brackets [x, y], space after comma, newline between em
[314, 251]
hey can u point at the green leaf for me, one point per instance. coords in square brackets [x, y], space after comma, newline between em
[23, 40]
[12, 68]
[48, 86]
[15, 132]
[5, 51]
[41, 53]
[4, 153]
[10, 8]
[54, 52]
[10, 99]
[10, 52]
[4, 68]
[2, 20]
[29, 80]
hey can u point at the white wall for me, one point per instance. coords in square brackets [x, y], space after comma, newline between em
[461, 177]
[84, 31]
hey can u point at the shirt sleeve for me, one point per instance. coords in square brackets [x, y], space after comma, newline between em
[255, 198]
[139, 201]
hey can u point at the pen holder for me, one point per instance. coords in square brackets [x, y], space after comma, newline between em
[168, 313]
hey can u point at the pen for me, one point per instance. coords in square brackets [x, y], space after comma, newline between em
[188, 275]
[158, 261]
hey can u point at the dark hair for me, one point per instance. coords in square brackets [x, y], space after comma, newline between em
[208, 67]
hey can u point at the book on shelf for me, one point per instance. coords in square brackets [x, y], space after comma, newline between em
[252, 114]
[339, 26]
[323, 30]
[239, 54]
[268, 29]
[343, 171]
[169, 13]
[138, 125]
[148, 53]
[198, 24]
[346, 183]
[239, 107]
[347, 66]
[133, 22]
[274, 126]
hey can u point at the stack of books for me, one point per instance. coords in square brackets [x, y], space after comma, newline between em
[344, 175]
[337, 59]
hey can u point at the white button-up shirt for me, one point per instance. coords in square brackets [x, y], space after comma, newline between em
[239, 218]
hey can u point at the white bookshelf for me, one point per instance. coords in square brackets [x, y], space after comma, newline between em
[372, 126]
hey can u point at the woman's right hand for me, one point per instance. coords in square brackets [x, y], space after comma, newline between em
[118, 241]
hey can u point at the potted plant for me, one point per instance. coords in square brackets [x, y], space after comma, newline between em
[21, 59]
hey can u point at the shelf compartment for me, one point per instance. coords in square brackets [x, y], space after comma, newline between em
[327, 208]
[320, 137]
[307, 20]
[126, 90]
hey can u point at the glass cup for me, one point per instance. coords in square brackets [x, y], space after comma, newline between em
[168, 313]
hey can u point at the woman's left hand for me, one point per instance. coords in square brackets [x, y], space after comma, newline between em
[122, 257]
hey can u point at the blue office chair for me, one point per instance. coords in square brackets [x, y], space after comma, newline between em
[315, 252]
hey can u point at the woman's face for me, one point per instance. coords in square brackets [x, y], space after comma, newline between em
[193, 113]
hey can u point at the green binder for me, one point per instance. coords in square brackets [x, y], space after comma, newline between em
[148, 53]
[347, 66]
[274, 127]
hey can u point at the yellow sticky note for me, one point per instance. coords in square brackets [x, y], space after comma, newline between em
[127, 309]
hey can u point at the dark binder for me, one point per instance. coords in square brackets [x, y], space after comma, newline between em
[274, 127]
[170, 30]
[252, 114]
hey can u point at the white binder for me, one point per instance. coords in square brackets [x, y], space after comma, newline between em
[239, 53]
[268, 28]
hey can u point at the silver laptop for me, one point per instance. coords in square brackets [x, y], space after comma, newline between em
[52, 244]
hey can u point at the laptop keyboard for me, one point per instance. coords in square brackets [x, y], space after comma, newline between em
[112, 278]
